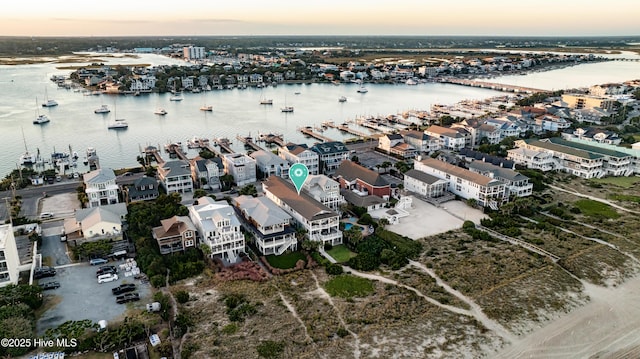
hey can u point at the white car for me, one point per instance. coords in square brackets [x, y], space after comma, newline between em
[46, 215]
[106, 278]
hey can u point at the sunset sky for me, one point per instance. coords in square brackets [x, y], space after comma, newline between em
[328, 17]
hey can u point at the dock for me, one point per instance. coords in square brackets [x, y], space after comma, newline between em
[248, 141]
[309, 132]
[151, 151]
[272, 138]
[225, 144]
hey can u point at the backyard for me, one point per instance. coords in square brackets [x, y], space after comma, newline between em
[341, 253]
[285, 261]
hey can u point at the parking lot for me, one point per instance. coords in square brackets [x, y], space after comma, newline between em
[81, 297]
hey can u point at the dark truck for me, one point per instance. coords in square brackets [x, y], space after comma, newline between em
[123, 288]
[127, 297]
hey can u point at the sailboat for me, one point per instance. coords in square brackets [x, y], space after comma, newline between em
[265, 101]
[40, 118]
[27, 157]
[118, 123]
[286, 108]
[48, 102]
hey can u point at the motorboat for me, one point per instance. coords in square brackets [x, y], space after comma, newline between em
[342, 99]
[287, 109]
[266, 101]
[50, 103]
[41, 119]
[28, 158]
[160, 111]
[102, 109]
[206, 108]
[197, 142]
[362, 89]
[411, 82]
[119, 124]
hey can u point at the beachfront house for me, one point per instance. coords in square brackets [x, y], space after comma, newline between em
[100, 187]
[218, 228]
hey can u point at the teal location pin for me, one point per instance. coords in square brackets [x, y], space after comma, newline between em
[298, 174]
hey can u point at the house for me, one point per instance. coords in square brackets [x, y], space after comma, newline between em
[593, 135]
[422, 142]
[100, 187]
[470, 155]
[517, 183]
[488, 192]
[581, 159]
[143, 189]
[241, 167]
[324, 190]
[450, 138]
[271, 227]
[294, 153]
[369, 202]
[175, 234]
[268, 164]
[96, 223]
[331, 154]
[361, 180]
[206, 173]
[218, 228]
[534, 159]
[9, 257]
[394, 144]
[175, 176]
[319, 221]
[425, 185]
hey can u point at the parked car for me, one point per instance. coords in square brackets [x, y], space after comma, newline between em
[44, 272]
[105, 278]
[97, 261]
[106, 270]
[46, 215]
[49, 285]
[123, 288]
[128, 297]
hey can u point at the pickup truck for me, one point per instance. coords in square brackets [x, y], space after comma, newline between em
[128, 297]
[49, 285]
[123, 288]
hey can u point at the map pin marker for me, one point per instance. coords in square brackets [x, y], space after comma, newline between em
[298, 174]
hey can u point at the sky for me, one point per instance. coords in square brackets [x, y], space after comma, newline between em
[327, 17]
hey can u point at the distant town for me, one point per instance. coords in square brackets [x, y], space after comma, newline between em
[400, 236]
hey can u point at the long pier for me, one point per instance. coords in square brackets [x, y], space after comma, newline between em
[309, 132]
[248, 141]
[494, 86]
[225, 144]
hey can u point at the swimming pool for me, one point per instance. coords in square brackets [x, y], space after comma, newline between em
[348, 226]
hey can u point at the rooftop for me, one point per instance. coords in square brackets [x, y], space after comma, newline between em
[460, 172]
[351, 171]
[303, 204]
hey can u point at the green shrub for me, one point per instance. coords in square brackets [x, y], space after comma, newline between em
[270, 349]
[182, 296]
[333, 269]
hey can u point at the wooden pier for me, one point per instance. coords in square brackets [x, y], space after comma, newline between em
[151, 151]
[309, 132]
[272, 138]
[248, 141]
[225, 144]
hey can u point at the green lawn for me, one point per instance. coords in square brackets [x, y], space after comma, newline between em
[347, 286]
[341, 253]
[593, 208]
[624, 182]
[625, 197]
[285, 261]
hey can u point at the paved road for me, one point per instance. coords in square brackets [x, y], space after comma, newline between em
[51, 246]
[31, 196]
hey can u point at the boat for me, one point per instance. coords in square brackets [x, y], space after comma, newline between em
[41, 119]
[362, 89]
[48, 102]
[160, 111]
[342, 99]
[266, 101]
[197, 142]
[176, 97]
[206, 108]
[27, 158]
[119, 124]
[287, 109]
[102, 109]
[296, 93]
[411, 82]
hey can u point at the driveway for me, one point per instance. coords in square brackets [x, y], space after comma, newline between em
[54, 252]
[81, 297]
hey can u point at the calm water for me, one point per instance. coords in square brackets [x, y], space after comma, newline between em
[235, 112]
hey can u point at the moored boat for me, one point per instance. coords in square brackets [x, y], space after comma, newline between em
[206, 108]
[119, 124]
[102, 109]
[41, 119]
[342, 99]
[160, 111]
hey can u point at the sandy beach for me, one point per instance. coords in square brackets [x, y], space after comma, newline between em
[606, 327]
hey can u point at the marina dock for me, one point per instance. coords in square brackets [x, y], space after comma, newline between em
[248, 141]
[309, 132]
[225, 144]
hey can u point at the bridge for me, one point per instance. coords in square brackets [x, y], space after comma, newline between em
[494, 86]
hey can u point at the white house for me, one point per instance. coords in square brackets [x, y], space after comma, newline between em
[241, 167]
[517, 183]
[324, 190]
[450, 138]
[269, 224]
[9, 258]
[270, 164]
[207, 172]
[100, 187]
[488, 192]
[175, 176]
[318, 220]
[218, 227]
[301, 154]
[96, 223]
